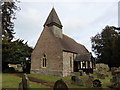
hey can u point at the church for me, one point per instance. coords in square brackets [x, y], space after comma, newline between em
[56, 54]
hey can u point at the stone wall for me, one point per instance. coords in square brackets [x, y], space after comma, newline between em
[57, 31]
[48, 45]
[68, 59]
[48, 72]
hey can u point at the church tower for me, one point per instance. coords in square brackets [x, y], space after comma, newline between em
[54, 23]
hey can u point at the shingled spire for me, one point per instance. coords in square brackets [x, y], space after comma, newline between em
[53, 19]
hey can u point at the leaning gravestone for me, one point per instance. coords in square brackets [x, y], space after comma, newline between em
[24, 85]
[77, 80]
[60, 85]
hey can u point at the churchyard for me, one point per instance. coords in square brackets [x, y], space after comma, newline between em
[101, 78]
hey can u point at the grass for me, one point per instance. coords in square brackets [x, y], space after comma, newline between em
[0, 81]
[12, 81]
[51, 79]
[106, 82]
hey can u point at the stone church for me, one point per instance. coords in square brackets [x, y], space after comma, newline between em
[56, 54]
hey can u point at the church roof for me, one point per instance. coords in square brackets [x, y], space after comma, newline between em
[83, 57]
[53, 19]
[70, 45]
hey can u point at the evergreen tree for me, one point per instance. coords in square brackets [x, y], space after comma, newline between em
[8, 11]
[13, 52]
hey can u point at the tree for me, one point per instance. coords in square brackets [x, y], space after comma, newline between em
[8, 15]
[20, 54]
[106, 46]
[13, 52]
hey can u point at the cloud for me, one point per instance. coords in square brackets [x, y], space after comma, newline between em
[27, 24]
[80, 20]
[69, 1]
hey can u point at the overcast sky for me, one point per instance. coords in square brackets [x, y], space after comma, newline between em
[81, 19]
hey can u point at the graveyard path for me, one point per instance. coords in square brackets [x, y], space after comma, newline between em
[36, 80]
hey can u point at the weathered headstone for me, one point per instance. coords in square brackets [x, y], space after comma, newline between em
[101, 76]
[24, 85]
[102, 68]
[60, 85]
[73, 78]
[97, 83]
[77, 80]
[89, 81]
[116, 79]
[81, 72]
[91, 78]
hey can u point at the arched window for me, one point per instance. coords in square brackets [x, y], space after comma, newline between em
[44, 61]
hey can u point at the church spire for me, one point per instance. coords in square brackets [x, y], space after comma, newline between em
[53, 19]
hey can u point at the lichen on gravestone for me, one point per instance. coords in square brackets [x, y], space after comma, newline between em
[60, 85]
[24, 84]
[89, 81]
[77, 80]
[97, 83]
[116, 79]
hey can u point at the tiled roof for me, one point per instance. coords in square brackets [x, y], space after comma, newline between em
[68, 44]
[83, 57]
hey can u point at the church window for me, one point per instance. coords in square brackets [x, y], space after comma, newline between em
[44, 61]
[70, 61]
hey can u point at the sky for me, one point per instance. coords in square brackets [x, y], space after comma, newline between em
[81, 19]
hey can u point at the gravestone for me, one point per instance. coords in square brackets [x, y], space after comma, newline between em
[97, 83]
[91, 78]
[116, 79]
[89, 81]
[102, 68]
[101, 76]
[60, 85]
[77, 80]
[73, 78]
[24, 85]
[81, 72]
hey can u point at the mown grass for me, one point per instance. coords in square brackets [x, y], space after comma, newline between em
[53, 79]
[0, 81]
[106, 82]
[12, 81]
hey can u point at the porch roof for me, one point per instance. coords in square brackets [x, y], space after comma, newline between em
[83, 57]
